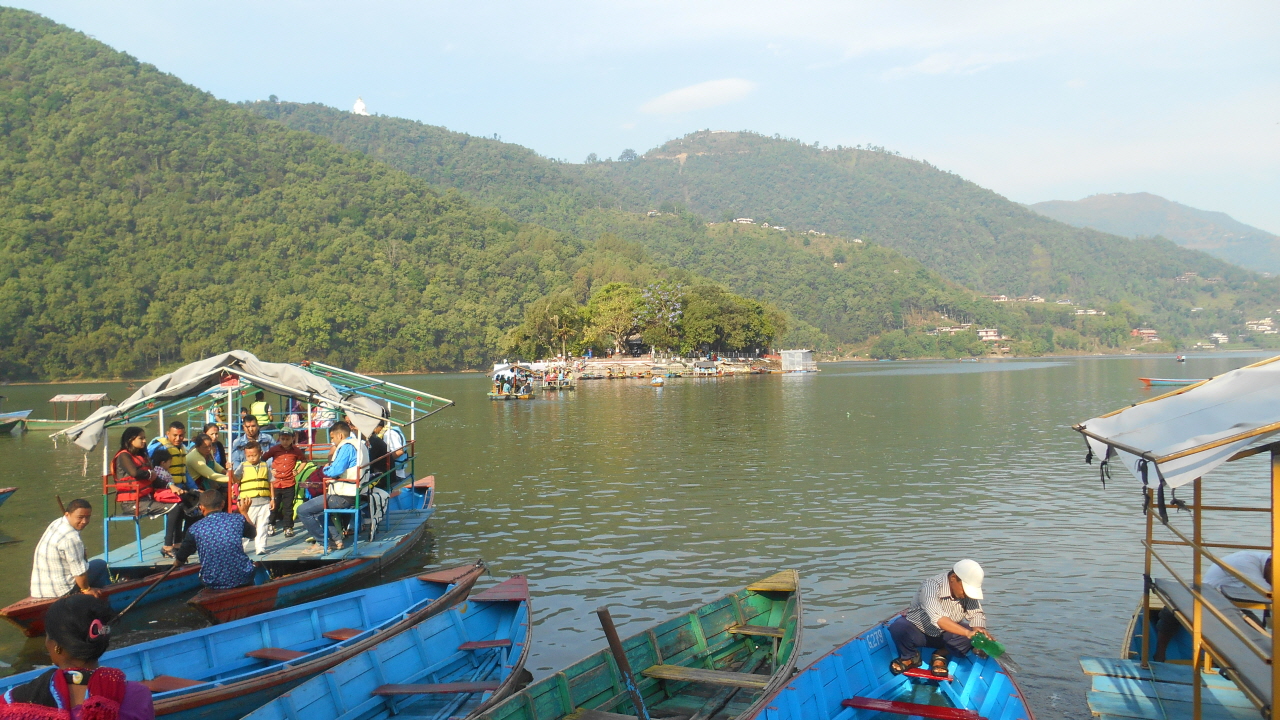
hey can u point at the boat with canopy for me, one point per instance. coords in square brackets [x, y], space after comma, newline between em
[232, 380]
[1220, 660]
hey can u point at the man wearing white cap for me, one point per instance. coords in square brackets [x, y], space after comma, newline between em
[945, 613]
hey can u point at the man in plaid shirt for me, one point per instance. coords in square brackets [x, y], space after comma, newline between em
[60, 563]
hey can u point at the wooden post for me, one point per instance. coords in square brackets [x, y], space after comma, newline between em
[1275, 550]
[624, 667]
[1197, 612]
[1147, 623]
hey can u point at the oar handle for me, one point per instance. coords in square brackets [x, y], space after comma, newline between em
[624, 667]
[150, 587]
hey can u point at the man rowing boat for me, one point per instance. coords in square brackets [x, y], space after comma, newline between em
[944, 615]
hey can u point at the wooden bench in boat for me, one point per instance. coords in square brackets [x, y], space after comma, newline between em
[1250, 672]
[709, 677]
[275, 654]
[586, 714]
[758, 630]
[934, 712]
[439, 689]
[340, 634]
[166, 683]
[485, 644]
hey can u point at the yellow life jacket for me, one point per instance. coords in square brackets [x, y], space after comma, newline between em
[259, 411]
[255, 480]
[177, 460]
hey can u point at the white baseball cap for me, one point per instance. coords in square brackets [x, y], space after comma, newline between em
[970, 574]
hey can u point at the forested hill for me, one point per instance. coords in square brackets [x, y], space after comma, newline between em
[147, 223]
[964, 232]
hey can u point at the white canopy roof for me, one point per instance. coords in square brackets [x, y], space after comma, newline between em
[1189, 432]
[191, 380]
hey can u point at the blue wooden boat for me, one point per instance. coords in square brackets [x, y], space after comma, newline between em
[6, 493]
[853, 682]
[1151, 382]
[228, 670]
[452, 665]
[10, 420]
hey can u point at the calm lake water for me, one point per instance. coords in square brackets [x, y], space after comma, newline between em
[866, 478]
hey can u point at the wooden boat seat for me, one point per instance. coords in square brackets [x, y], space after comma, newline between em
[440, 689]
[782, 581]
[920, 673]
[760, 630]
[340, 634]
[275, 654]
[709, 677]
[906, 708]
[1247, 669]
[485, 644]
[588, 714]
[166, 683]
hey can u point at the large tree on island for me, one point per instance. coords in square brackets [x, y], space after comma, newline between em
[612, 313]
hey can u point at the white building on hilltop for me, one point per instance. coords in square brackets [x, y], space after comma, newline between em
[360, 108]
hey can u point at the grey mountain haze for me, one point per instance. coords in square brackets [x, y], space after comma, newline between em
[1147, 215]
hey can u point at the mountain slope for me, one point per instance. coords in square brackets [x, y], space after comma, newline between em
[148, 223]
[966, 233]
[1144, 214]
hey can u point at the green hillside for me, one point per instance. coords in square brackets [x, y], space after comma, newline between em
[970, 235]
[148, 223]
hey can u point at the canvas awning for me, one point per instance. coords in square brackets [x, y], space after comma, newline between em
[192, 380]
[89, 397]
[1187, 433]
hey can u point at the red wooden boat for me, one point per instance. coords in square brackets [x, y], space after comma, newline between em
[28, 614]
[221, 606]
[462, 578]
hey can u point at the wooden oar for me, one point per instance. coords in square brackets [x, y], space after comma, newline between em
[150, 587]
[624, 667]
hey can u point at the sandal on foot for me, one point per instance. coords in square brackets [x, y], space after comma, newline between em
[938, 665]
[901, 665]
[166, 551]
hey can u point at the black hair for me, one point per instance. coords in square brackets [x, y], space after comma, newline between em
[249, 418]
[341, 426]
[78, 624]
[161, 455]
[211, 425]
[202, 439]
[178, 424]
[129, 434]
[211, 499]
[78, 504]
[259, 396]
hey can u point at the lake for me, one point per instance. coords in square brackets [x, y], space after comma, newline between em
[867, 478]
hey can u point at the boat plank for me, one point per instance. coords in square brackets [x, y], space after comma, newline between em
[485, 644]
[1171, 691]
[340, 634]
[935, 712]
[1146, 707]
[437, 688]
[759, 630]
[681, 673]
[1162, 672]
[275, 654]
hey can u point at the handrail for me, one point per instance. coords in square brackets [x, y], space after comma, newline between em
[1230, 546]
[1217, 561]
[1262, 654]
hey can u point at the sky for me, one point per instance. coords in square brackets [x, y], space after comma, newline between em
[1037, 101]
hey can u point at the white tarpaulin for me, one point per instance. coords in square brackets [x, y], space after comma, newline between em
[191, 380]
[1211, 422]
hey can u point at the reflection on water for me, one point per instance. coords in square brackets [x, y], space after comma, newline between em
[866, 477]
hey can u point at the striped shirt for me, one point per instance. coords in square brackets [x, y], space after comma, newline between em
[933, 601]
[59, 560]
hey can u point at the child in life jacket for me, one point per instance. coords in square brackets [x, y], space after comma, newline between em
[253, 480]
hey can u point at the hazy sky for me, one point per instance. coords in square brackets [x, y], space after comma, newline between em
[1036, 100]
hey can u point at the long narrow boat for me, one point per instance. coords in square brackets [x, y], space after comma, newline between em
[271, 591]
[6, 493]
[453, 665]
[853, 682]
[717, 661]
[28, 614]
[228, 670]
[1149, 382]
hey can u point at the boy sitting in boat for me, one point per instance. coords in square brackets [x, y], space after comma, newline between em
[944, 615]
[218, 538]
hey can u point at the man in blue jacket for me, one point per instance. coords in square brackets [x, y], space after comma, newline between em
[345, 477]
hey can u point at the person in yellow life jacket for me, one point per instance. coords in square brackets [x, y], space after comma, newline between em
[175, 441]
[253, 478]
[260, 410]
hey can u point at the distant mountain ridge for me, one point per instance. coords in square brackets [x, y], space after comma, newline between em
[1147, 215]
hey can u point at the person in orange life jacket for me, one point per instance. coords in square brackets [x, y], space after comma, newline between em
[253, 482]
[77, 688]
[132, 470]
[345, 477]
[284, 459]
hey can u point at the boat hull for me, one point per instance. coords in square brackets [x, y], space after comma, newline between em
[698, 639]
[220, 606]
[1170, 382]
[6, 493]
[220, 678]
[29, 614]
[860, 669]
[435, 650]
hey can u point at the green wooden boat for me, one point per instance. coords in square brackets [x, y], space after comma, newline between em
[713, 663]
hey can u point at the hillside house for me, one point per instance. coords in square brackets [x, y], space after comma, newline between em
[1219, 338]
[997, 298]
[989, 335]
[744, 221]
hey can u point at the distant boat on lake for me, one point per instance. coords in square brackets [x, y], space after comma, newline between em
[1149, 382]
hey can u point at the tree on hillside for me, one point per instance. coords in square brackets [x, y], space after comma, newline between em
[612, 313]
[628, 155]
[550, 324]
[661, 307]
